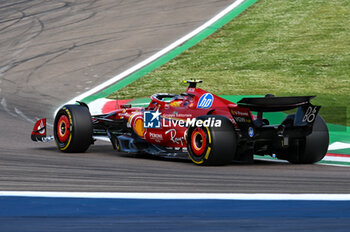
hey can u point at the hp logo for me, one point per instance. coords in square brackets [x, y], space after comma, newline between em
[205, 101]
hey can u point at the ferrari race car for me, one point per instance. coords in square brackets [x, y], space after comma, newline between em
[197, 124]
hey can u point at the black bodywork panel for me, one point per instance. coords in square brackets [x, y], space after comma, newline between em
[273, 104]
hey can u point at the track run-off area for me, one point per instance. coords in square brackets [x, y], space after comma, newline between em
[55, 52]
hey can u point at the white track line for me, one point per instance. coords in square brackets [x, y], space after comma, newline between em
[20, 113]
[5, 107]
[338, 146]
[337, 159]
[181, 196]
[155, 56]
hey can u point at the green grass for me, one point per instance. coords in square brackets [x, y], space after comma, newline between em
[295, 47]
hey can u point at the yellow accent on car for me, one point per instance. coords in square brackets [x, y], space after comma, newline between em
[192, 81]
[70, 138]
[207, 154]
[138, 127]
[209, 144]
[196, 162]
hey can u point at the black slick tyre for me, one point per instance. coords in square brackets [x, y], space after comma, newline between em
[73, 128]
[212, 145]
[312, 148]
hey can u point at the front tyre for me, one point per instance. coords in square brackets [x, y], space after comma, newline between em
[212, 145]
[73, 128]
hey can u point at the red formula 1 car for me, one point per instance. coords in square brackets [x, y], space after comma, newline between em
[200, 125]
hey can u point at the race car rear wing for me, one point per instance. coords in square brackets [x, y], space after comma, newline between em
[273, 104]
[305, 115]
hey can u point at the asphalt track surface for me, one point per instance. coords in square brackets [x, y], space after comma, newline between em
[51, 51]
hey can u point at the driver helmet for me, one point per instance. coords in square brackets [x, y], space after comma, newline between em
[176, 101]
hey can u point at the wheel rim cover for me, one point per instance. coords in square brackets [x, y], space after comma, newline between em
[198, 141]
[63, 129]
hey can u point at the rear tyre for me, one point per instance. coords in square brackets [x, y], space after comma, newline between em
[73, 128]
[212, 145]
[311, 149]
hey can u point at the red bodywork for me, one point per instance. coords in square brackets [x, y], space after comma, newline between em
[174, 113]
